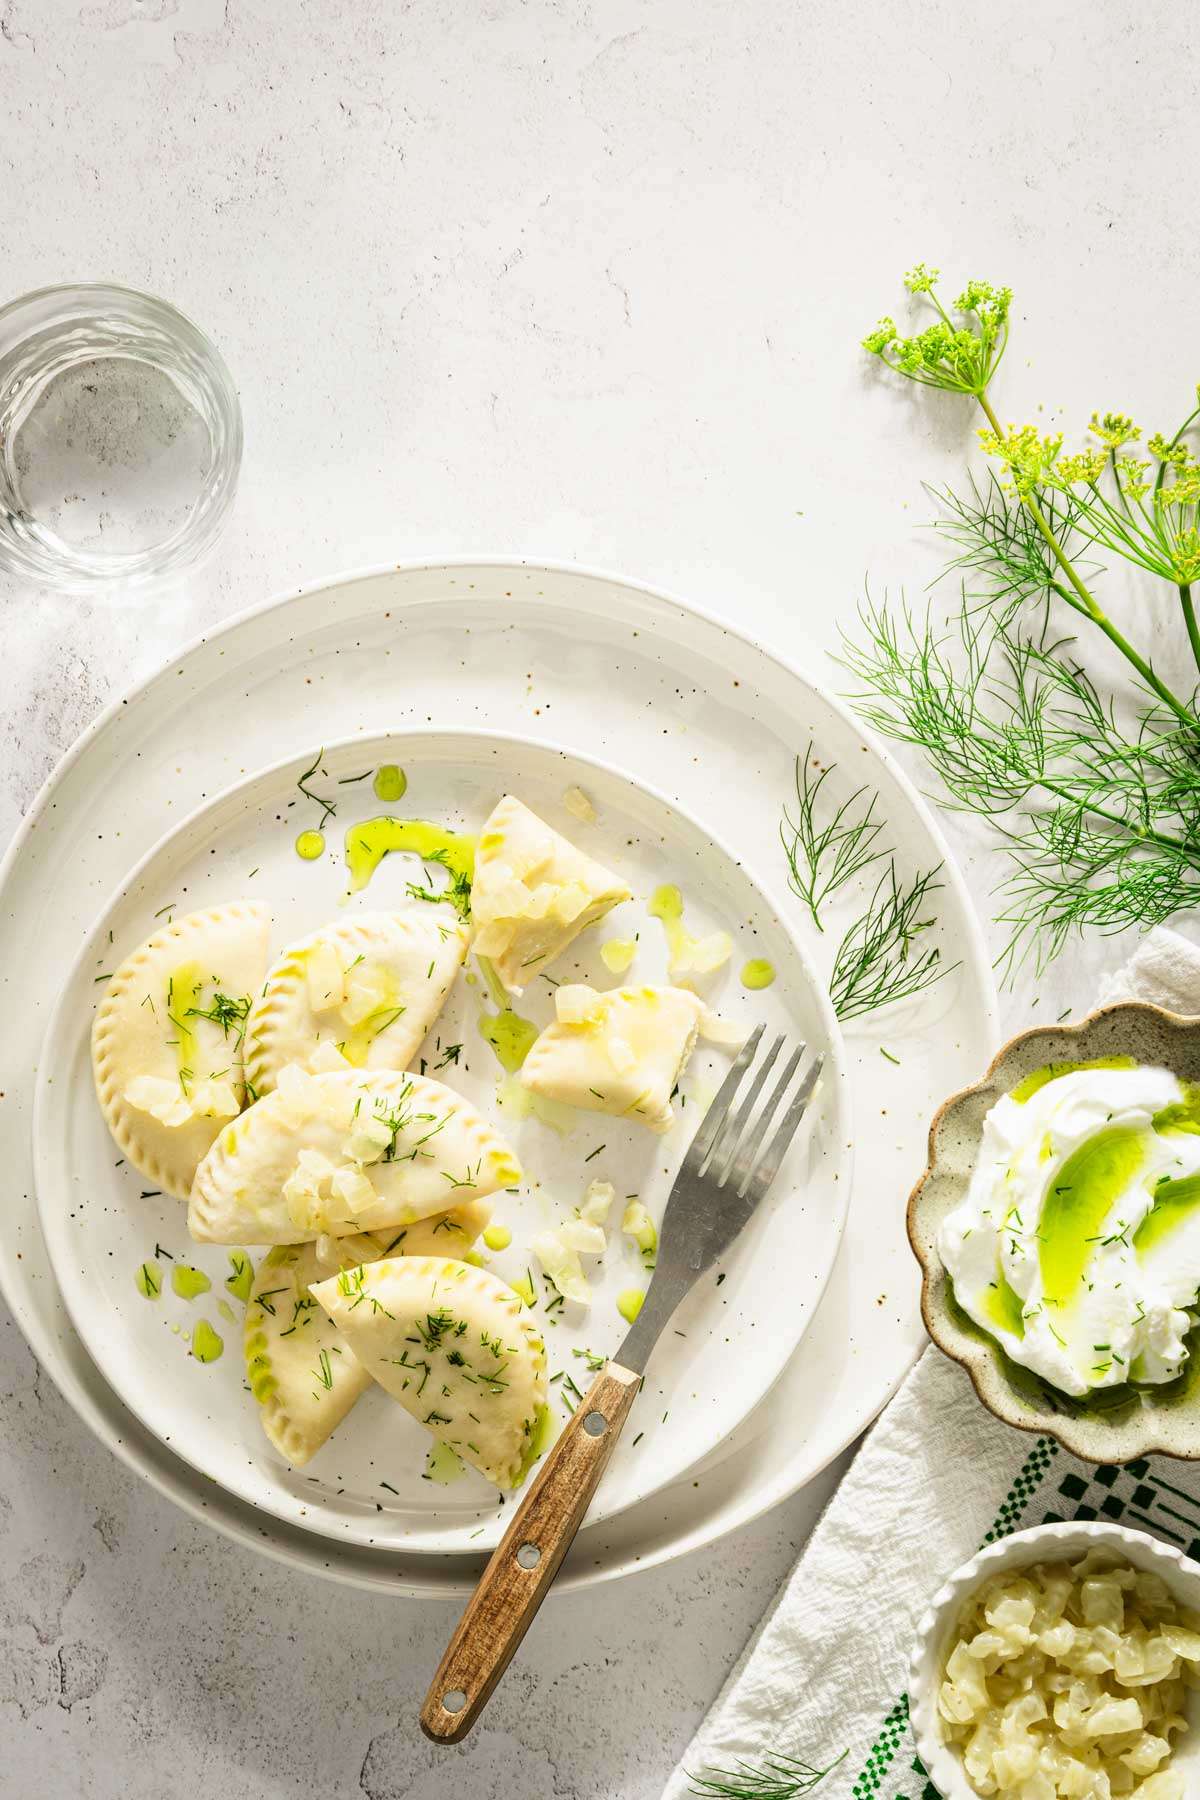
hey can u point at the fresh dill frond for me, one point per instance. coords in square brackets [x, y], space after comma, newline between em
[328, 809]
[823, 855]
[881, 959]
[775, 1778]
[457, 891]
[1101, 822]
[225, 1010]
[1098, 801]
[396, 1118]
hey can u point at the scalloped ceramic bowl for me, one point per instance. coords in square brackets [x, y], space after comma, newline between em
[1041, 1543]
[1120, 1423]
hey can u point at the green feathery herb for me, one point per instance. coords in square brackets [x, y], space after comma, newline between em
[457, 891]
[824, 856]
[1098, 802]
[881, 960]
[878, 960]
[328, 809]
[775, 1778]
[225, 1011]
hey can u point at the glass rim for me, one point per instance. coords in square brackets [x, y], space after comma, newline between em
[51, 560]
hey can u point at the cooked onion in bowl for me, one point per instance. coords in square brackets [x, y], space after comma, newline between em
[1070, 1679]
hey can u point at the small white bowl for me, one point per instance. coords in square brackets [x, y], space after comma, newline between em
[1043, 1543]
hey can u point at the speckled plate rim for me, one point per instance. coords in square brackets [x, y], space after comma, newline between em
[661, 1542]
[832, 1114]
[978, 1357]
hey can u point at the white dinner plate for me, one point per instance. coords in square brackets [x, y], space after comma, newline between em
[730, 1339]
[625, 673]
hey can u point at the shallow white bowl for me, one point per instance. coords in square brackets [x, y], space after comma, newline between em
[1042, 1543]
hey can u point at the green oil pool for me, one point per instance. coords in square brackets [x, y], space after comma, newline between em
[510, 1036]
[540, 1439]
[367, 845]
[206, 1345]
[444, 1465]
[629, 1303]
[758, 973]
[1004, 1307]
[1032, 1084]
[183, 997]
[1174, 1202]
[189, 1283]
[148, 1280]
[242, 1278]
[391, 783]
[523, 1285]
[1182, 1116]
[1077, 1203]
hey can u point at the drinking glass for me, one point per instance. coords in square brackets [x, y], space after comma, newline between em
[120, 438]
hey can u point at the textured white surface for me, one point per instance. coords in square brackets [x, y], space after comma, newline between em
[572, 281]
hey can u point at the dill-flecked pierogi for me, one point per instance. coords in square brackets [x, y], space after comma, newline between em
[167, 1039]
[351, 1150]
[455, 1347]
[301, 1371]
[371, 985]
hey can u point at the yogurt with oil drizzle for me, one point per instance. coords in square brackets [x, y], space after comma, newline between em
[1077, 1246]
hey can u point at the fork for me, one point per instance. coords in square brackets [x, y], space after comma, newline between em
[730, 1164]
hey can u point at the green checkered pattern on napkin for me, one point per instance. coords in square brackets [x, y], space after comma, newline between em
[936, 1479]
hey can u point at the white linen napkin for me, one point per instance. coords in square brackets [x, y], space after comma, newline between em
[936, 1478]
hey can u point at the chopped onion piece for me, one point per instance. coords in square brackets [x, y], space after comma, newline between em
[582, 1235]
[597, 1202]
[563, 1266]
[579, 806]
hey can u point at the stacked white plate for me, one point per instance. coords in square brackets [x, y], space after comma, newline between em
[480, 679]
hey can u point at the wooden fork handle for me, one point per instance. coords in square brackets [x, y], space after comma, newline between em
[518, 1577]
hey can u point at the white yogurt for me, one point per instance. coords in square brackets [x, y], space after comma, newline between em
[1061, 1250]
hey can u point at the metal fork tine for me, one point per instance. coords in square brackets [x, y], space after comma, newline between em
[767, 1167]
[757, 1133]
[730, 1136]
[714, 1118]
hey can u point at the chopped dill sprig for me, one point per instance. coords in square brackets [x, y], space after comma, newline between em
[824, 856]
[881, 959]
[328, 809]
[775, 1778]
[225, 1011]
[457, 891]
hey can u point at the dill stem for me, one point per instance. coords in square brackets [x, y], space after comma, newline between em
[1090, 605]
[1144, 835]
[1189, 619]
